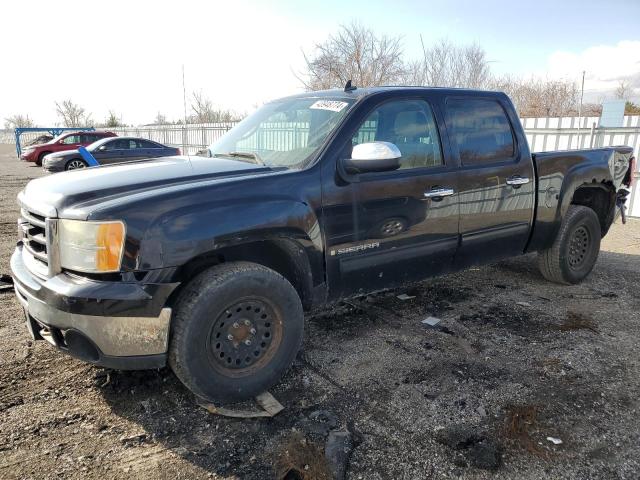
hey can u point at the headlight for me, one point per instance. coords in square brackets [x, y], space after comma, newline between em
[93, 247]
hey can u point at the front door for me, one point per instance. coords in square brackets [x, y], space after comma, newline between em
[383, 229]
[496, 182]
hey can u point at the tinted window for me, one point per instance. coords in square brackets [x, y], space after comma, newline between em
[117, 145]
[148, 144]
[410, 125]
[480, 130]
[88, 138]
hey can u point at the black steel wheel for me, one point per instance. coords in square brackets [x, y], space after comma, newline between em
[578, 247]
[575, 250]
[244, 337]
[235, 330]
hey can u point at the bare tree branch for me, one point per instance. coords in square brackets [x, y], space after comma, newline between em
[18, 121]
[73, 115]
[205, 112]
[354, 53]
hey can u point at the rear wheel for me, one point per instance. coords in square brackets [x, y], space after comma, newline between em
[236, 330]
[75, 164]
[575, 249]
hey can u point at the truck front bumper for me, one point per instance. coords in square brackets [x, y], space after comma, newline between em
[120, 325]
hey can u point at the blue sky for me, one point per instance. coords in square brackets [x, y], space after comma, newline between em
[127, 56]
[519, 36]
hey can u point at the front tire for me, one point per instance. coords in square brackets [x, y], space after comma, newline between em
[575, 249]
[236, 330]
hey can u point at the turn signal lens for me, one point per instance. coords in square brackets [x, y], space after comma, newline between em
[109, 240]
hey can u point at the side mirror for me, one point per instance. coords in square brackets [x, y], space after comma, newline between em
[373, 157]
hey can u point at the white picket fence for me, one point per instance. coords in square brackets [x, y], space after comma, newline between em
[543, 134]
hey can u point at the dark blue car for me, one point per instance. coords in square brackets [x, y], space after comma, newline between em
[107, 151]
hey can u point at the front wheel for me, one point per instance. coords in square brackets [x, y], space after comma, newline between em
[75, 164]
[575, 249]
[236, 330]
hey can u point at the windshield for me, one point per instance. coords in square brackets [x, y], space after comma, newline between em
[284, 133]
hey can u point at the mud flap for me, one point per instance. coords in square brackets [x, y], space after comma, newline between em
[621, 203]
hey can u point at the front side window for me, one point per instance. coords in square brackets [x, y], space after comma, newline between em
[480, 130]
[410, 126]
[284, 133]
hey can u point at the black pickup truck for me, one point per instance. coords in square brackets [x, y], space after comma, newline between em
[207, 263]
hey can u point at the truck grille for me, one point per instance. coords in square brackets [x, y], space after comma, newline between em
[34, 235]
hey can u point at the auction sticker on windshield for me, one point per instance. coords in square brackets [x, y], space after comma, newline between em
[333, 105]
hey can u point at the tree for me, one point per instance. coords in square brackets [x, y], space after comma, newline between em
[354, 53]
[112, 120]
[160, 119]
[623, 90]
[631, 108]
[537, 97]
[204, 111]
[18, 121]
[447, 65]
[73, 115]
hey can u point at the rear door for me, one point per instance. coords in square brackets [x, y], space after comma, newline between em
[113, 152]
[151, 149]
[387, 228]
[496, 182]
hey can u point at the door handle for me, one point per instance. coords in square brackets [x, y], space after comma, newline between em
[439, 192]
[517, 180]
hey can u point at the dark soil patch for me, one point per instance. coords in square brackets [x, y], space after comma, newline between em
[514, 319]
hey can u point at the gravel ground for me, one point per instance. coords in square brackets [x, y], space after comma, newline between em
[516, 360]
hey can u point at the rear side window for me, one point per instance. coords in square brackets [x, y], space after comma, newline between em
[147, 144]
[480, 130]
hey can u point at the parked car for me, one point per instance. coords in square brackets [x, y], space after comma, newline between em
[208, 263]
[66, 141]
[107, 151]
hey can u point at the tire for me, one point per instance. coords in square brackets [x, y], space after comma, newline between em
[75, 164]
[216, 313]
[41, 158]
[575, 249]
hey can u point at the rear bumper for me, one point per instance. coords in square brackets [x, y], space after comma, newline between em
[112, 324]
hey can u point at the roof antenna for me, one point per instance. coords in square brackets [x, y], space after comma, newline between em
[348, 87]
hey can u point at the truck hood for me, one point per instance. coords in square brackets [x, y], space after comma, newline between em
[51, 195]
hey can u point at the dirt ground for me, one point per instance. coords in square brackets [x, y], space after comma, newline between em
[516, 360]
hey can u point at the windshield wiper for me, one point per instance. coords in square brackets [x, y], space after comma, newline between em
[249, 155]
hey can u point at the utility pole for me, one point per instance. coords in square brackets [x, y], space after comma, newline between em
[184, 127]
[580, 109]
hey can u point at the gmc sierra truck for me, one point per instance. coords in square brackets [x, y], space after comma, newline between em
[207, 263]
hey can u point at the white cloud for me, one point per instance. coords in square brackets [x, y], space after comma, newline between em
[605, 66]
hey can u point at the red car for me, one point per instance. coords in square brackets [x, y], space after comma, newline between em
[66, 141]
